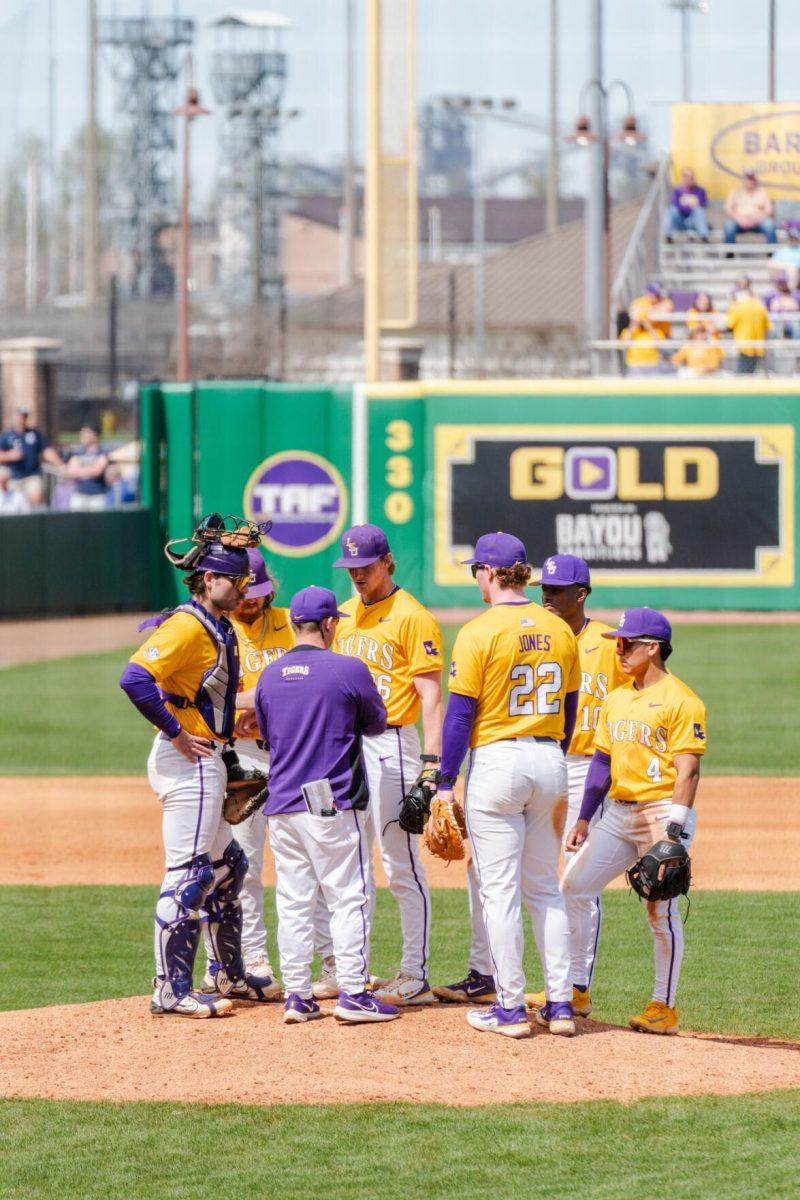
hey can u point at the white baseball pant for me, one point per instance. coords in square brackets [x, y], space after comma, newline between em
[327, 855]
[515, 801]
[584, 913]
[392, 761]
[622, 835]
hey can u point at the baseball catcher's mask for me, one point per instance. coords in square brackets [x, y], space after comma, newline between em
[663, 873]
[229, 533]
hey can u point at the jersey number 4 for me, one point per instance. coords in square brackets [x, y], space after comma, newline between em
[537, 690]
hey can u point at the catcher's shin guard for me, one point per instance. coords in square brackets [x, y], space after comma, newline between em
[225, 919]
[178, 928]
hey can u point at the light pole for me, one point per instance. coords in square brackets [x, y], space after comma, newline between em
[771, 62]
[686, 8]
[598, 239]
[191, 109]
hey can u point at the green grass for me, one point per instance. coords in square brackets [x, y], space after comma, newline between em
[731, 1148]
[75, 944]
[69, 717]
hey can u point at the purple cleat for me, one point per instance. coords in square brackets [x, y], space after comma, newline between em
[558, 1017]
[511, 1022]
[477, 988]
[363, 1008]
[296, 1010]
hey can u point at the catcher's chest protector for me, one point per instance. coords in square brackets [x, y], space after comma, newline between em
[216, 696]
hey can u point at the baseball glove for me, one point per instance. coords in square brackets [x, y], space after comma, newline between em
[245, 792]
[445, 831]
[415, 806]
[663, 873]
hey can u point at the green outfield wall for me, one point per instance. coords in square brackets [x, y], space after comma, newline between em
[678, 495]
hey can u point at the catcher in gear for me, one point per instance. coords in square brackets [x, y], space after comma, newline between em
[184, 680]
[648, 745]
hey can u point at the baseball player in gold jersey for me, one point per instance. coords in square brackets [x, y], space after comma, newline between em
[401, 644]
[514, 682]
[648, 745]
[566, 585]
[263, 633]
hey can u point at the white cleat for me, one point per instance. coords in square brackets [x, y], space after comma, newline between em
[326, 987]
[405, 991]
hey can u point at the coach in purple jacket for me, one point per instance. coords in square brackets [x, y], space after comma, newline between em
[687, 208]
[313, 707]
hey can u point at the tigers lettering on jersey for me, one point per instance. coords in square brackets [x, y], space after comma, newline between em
[398, 639]
[643, 731]
[518, 661]
[262, 642]
[177, 654]
[600, 674]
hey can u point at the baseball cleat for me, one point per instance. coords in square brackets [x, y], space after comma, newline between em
[656, 1018]
[326, 987]
[581, 1001]
[405, 990]
[476, 988]
[511, 1022]
[259, 965]
[257, 988]
[363, 1009]
[296, 1010]
[556, 1016]
[194, 1005]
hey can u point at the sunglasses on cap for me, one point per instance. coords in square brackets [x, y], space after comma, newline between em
[626, 643]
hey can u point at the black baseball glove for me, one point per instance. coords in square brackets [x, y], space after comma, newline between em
[245, 792]
[663, 873]
[415, 806]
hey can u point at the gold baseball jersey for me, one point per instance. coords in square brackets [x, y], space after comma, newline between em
[260, 643]
[518, 661]
[177, 654]
[398, 639]
[600, 674]
[642, 731]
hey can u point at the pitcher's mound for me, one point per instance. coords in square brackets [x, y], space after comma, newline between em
[114, 1050]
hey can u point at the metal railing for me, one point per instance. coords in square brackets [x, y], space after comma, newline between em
[640, 260]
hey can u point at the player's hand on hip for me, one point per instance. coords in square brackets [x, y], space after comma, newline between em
[577, 836]
[192, 747]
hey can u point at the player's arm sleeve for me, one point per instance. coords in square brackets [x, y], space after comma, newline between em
[140, 688]
[372, 710]
[456, 730]
[570, 713]
[422, 642]
[595, 789]
[688, 727]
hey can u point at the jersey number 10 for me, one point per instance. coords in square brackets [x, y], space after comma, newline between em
[537, 691]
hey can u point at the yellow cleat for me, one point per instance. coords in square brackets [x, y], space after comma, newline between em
[656, 1018]
[581, 1001]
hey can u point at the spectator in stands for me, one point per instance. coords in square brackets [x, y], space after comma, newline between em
[13, 501]
[787, 257]
[24, 448]
[783, 300]
[749, 321]
[643, 356]
[749, 209]
[701, 355]
[653, 303]
[687, 208]
[702, 315]
[87, 468]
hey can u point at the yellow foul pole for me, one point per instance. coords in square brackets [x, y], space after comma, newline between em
[373, 257]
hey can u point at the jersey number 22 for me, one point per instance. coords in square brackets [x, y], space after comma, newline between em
[537, 692]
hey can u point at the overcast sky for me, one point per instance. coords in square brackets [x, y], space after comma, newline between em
[487, 47]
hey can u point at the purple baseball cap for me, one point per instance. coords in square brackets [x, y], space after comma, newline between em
[262, 585]
[642, 623]
[562, 570]
[362, 545]
[313, 604]
[497, 550]
[655, 289]
[223, 560]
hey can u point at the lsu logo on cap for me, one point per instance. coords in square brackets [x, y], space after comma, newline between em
[698, 732]
[430, 649]
[622, 622]
[550, 567]
[352, 548]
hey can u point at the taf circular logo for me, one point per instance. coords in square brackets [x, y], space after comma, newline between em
[303, 495]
